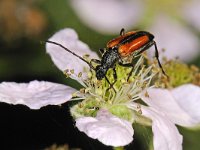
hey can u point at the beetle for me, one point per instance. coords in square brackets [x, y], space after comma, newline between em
[132, 44]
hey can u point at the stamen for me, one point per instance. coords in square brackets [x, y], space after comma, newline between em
[72, 71]
[97, 96]
[80, 74]
[179, 74]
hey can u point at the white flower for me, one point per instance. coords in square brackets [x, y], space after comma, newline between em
[104, 126]
[106, 115]
[162, 18]
[180, 105]
[108, 16]
[35, 94]
[176, 39]
[191, 13]
[165, 133]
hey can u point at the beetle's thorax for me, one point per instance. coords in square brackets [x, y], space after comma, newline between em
[109, 59]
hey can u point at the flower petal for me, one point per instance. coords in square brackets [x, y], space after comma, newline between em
[108, 16]
[165, 133]
[107, 128]
[181, 107]
[191, 13]
[188, 98]
[65, 60]
[175, 38]
[35, 94]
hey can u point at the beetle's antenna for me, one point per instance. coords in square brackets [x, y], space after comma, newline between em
[71, 53]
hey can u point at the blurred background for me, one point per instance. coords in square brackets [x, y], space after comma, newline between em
[24, 23]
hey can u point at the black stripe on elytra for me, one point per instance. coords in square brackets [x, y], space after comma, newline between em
[134, 36]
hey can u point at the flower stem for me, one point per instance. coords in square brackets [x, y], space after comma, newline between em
[118, 148]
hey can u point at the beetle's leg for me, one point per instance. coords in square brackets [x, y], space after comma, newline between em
[111, 85]
[102, 50]
[114, 75]
[130, 73]
[115, 79]
[157, 57]
[148, 45]
[95, 61]
[144, 48]
[122, 32]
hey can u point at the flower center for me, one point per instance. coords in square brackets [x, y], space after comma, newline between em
[129, 84]
[179, 74]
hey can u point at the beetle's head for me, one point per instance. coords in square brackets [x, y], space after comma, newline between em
[100, 72]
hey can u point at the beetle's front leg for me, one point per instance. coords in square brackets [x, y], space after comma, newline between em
[111, 85]
[95, 61]
[115, 79]
[102, 50]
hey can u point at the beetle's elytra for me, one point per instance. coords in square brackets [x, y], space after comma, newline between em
[130, 42]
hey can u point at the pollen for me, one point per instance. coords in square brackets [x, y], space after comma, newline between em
[80, 74]
[72, 71]
[179, 73]
[67, 73]
[146, 94]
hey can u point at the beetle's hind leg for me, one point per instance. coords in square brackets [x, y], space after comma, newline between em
[148, 45]
[157, 57]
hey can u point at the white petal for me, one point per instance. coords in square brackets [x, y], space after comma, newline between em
[35, 94]
[175, 38]
[108, 16]
[165, 133]
[191, 13]
[107, 128]
[177, 104]
[65, 60]
[188, 98]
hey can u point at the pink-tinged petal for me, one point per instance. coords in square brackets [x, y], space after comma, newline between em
[35, 94]
[188, 98]
[165, 133]
[65, 60]
[191, 11]
[108, 16]
[181, 108]
[107, 128]
[176, 39]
